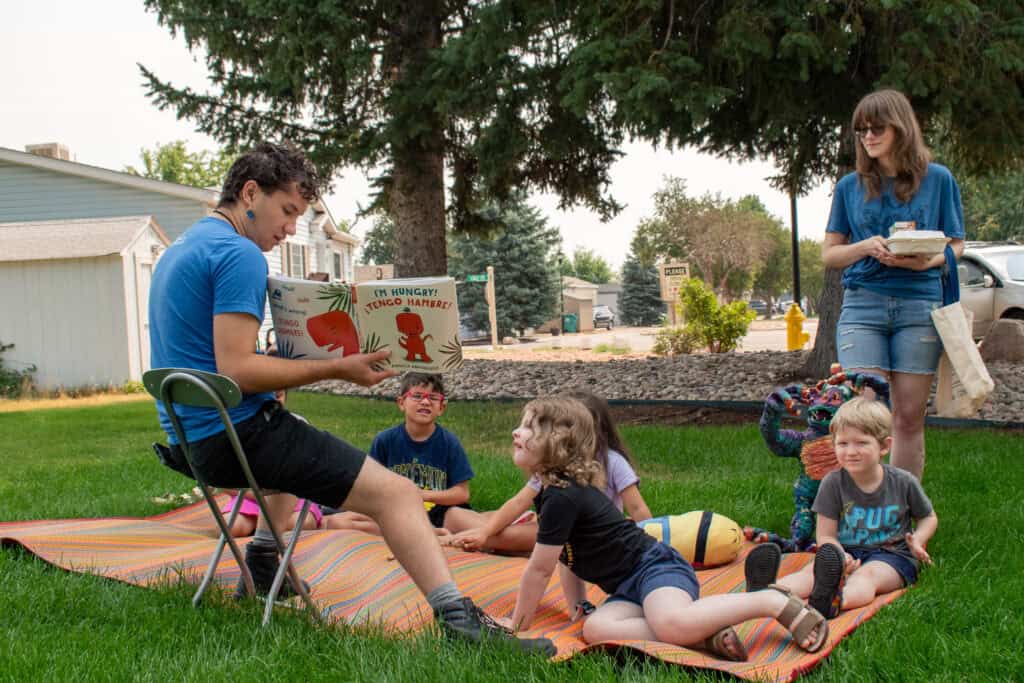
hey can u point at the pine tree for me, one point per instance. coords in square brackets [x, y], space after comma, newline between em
[641, 302]
[525, 270]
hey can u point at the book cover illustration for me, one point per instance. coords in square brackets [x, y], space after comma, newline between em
[417, 318]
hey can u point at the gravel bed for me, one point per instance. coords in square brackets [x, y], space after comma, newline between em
[703, 377]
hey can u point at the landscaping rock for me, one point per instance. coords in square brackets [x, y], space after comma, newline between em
[1004, 341]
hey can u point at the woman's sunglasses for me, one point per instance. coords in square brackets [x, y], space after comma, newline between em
[877, 130]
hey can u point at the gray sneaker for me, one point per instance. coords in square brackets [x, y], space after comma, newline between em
[463, 619]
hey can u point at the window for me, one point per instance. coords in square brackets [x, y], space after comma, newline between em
[975, 275]
[339, 274]
[296, 260]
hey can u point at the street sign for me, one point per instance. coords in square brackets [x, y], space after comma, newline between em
[482, 277]
[672, 276]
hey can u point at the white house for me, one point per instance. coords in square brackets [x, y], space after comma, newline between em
[43, 186]
[76, 296]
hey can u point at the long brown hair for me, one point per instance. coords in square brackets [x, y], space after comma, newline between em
[909, 153]
[563, 434]
[607, 434]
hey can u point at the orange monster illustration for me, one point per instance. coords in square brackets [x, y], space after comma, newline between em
[411, 327]
[334, 329]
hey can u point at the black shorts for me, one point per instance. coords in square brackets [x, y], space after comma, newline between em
[285, 454]
[436, 514]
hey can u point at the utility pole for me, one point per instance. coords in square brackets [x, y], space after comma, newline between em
[796, 251]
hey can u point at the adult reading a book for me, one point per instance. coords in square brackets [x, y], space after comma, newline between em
[206, 305]
[885, 326]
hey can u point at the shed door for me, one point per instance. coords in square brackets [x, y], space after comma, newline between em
[144, 274]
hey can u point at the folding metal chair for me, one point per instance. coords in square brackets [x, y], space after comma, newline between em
[209, 390]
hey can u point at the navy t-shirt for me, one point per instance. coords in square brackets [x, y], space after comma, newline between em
[436, 464]
[935, 206]
[209, 270]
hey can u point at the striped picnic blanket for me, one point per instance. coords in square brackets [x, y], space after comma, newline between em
[354, 580]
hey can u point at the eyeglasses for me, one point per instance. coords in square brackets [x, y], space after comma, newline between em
[878, 130]
[419, 396]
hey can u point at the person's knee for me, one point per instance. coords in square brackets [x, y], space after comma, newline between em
[598, 627]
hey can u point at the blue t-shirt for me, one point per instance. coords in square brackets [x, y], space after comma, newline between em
[935, 206]
[436, 464]
[209, 270]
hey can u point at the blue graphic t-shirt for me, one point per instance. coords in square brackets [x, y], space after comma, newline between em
[436, 464]
[880, 519]
[209, 270]
[935, 206]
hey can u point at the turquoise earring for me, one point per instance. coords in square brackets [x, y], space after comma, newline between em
[250, 215]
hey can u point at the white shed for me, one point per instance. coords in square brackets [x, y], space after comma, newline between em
[74, 298]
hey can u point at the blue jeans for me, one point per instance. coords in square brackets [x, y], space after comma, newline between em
[887, 332]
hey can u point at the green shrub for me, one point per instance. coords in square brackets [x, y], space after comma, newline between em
[675, 341]
[719, 328]
[14, 383]
[133, 387]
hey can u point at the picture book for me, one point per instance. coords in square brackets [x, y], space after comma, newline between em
[417, 318]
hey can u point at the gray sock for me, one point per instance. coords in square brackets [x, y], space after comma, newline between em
[443, 594]
[263, 539]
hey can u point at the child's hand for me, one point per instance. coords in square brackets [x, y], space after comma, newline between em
[850, 565]
[470, 539]
[918, 549]
[582, 610]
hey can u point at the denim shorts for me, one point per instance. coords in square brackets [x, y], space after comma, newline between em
[903, 565]
[887, 332]
[660, 566]
[285, 454]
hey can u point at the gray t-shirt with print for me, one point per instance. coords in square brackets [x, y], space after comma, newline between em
[880, 519]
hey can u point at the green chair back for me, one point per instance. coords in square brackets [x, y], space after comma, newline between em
[187, 387]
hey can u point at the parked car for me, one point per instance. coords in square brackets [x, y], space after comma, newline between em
[603, 316]
[759, 306]
[993, 285]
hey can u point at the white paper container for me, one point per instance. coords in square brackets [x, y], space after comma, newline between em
[913, 242]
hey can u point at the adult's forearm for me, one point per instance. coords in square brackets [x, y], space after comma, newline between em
[255, 373]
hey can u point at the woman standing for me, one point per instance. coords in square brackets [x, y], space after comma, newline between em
[885, 326]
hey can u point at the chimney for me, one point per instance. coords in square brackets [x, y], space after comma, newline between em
[53, 150]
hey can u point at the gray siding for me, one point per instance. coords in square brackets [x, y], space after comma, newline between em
[32, 194]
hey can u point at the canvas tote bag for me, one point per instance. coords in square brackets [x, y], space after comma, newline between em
[963, 380]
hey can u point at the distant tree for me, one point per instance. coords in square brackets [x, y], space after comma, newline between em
[379, 245]
[640, 303]
[173, 163]
[586, 265]
[724, 241]
[525, 270]
[775, 273]
[812, 274]
[994, 205]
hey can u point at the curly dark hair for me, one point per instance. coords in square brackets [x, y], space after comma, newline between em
[273, 167]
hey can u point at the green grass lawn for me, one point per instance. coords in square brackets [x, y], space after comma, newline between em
[963, 621]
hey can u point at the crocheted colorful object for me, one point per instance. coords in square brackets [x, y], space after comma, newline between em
[813, 446]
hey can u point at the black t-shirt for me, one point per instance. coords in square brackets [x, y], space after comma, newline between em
[600, 545]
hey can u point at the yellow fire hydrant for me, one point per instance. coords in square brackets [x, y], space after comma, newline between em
[795, 335]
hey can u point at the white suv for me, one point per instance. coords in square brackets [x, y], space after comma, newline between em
[993, 286]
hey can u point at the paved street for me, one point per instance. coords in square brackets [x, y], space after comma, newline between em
[763, 335]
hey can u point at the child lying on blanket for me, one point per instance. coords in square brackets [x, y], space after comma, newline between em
[622, 484]
[652, 591]
[864, 508]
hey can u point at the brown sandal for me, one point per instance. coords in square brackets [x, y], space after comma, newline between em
[800, 619]
[716, 645]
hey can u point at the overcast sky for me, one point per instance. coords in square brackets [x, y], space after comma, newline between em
[70, 76]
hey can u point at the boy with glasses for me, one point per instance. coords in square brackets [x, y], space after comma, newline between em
[432, 457]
